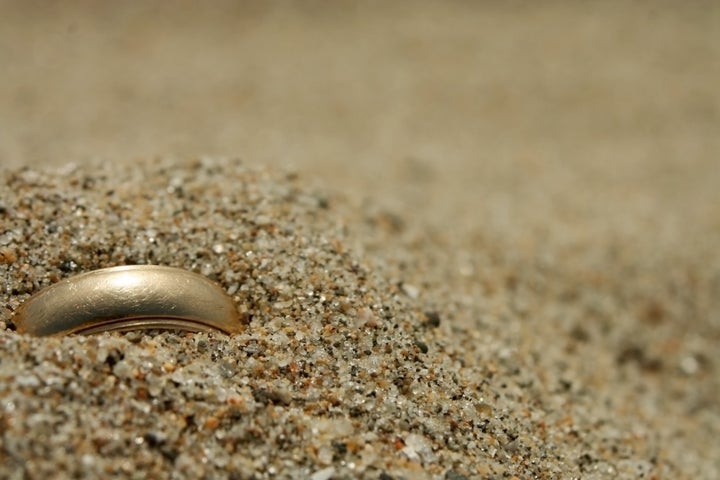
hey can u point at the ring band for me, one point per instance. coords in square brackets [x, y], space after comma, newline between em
[135, 297]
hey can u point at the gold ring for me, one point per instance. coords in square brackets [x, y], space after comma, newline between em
[126, 298]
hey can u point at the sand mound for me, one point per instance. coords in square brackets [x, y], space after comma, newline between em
[352, 364]
[337, 368]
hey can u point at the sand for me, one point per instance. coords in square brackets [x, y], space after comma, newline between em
[466, 240]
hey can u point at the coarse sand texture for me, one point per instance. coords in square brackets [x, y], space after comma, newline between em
[371, 348]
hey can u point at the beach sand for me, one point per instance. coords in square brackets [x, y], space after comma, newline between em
[466, 240]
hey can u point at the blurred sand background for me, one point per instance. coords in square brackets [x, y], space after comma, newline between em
[576, 139]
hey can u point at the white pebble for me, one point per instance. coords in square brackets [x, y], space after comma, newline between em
[410, 290]
[324, 474]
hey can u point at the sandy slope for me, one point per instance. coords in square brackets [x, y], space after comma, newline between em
[545, 176]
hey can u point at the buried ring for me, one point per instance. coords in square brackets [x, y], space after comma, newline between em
[134, 297]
